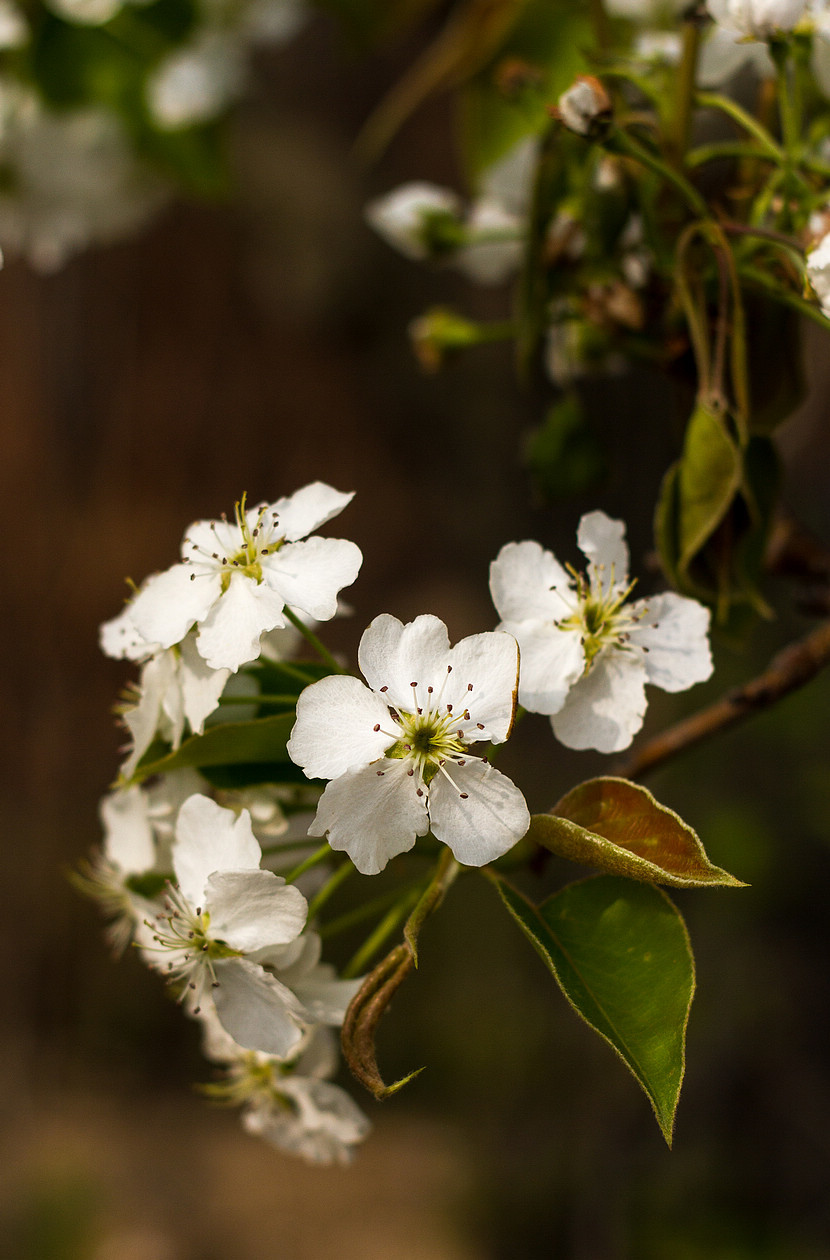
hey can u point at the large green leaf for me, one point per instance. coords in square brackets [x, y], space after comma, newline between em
[619, 827]
[259, 741]
[621, 955]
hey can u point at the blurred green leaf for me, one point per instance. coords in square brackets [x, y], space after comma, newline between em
[548, 39]
[564, 454]
[259, 741]
[621, 955]
[619, 827]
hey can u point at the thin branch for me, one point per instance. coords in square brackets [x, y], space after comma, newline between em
[790, 669]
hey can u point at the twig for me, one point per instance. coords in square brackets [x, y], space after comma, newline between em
[786, 672]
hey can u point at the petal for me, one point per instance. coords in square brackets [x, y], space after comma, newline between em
[128, 840]
[201, 686]
[308, 575]
[550, 662]
[674, 634]
[487, 822]
[254, 909]
[484, 682]
[522, 581]
[307, 509]
[372, 814]
[392, 656]
[120, 639]
[170, 603]
[229, 636]
[158, 676]
[208, 839]
[602, 540]
[324, 996]
[605, 709]
[334, 731]
[257, 1011]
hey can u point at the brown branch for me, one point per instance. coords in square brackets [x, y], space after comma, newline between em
[790, 669]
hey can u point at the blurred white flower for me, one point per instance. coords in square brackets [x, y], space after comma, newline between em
[586, 653]
[73, 180]
[818, 273]
[14, 29]
[413, 217]
[195, 83]
[757, 19]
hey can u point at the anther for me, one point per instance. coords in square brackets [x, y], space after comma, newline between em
[384, 688]
[410, 773]
[419, 792]
[464, 796]
[376, 727]
[380, 773]
[469, 686]
[480, 726]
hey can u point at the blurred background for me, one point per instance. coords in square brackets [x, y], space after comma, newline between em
[257, 344]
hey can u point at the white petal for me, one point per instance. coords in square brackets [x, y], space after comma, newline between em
[372, 816]
[209, 542]
[551, 661]
[158, 677]
[334, 731]
[602, 540]
[491, 262]
[605, 709]
[490, 662]
[128, 840]
[201, 686]
[254, 909]
[229, 636]
[674, 632]
[393, 656]
[307, 509]
[324, 996]
[120, 639]
[308, 575]
[210, 838]
[492, 818]
[522, 581]
[257, 1011]
[170, 603]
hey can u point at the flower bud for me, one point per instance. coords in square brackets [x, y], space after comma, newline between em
[585, 107]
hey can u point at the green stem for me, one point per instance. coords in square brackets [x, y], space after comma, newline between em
[318, 856]
[760, 280]
[727, 149]
[788, 104]
[329, 888]
[632, 148]
[388, 924]
[445, 872]
[714, 100]
[319, 647]
[679, 126]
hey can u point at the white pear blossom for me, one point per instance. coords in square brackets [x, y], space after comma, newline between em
[412, 218]
[818, 273]
[14, 30]
[397, 750]
[757, 19]
[222, 913]
[236, 578]
[587, 653]
[195, 83]
[292, 1105]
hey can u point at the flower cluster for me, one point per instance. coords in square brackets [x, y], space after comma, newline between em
[91, 173]
[208, 868]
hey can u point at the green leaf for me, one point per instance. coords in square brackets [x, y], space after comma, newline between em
[261, 741]
[564, 453]
[709, 477]
[547, 38]
[621, 955]
[619, 827]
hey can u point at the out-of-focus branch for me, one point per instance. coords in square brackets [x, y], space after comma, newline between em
[786, 672]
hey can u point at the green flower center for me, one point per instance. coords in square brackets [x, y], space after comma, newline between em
[599, 616]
